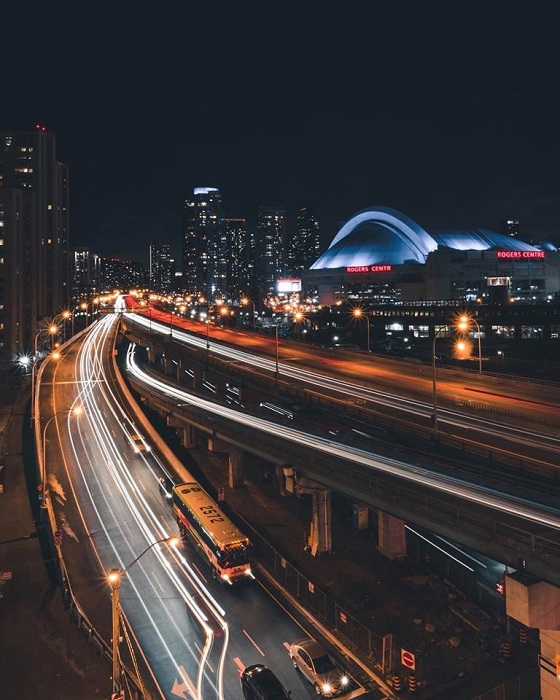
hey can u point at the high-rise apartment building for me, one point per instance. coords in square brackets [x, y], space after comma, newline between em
[239, 265]
[34, 264]
[272, 228]
[205, 247]
[303, 248]
[161, 268]
[85, 274]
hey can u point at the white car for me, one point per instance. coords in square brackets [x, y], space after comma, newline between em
[319, 667]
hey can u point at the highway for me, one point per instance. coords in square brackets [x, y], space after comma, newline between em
[194, 634]
[519, 419]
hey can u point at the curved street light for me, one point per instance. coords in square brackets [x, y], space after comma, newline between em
[434, 384]
[114, 577]
[245, 302]
[464, 324]
[359, 313]
[34, 365]
[298, 318]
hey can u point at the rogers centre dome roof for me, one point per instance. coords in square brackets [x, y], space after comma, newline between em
[379, 235]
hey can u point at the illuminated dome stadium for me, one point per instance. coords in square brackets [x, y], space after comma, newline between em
[383, 236]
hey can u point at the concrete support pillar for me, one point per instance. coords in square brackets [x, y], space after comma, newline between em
[217, 445]
[151, 355]
[188, 436]
[236, 472]
[168, 366]
[536, 603]
[392, 540]
[320, 541]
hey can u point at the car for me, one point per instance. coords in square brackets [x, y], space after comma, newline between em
[138, 443]
[319, 667]
[166, 485]
[259, 683]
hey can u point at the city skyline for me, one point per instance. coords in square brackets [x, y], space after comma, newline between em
[453, 123]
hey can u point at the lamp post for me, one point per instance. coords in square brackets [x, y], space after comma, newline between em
[114, 577]
[434, 384]
[358, 313]
[246, 301]
[77, 410]
[277, 373]
[34, 365]
[463, 325]
[298, 318]
[207, 340]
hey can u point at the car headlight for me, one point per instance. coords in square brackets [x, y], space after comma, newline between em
[344, 680]
[327, 688]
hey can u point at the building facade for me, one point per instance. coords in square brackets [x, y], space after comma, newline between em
[204, 240]
[271, 236]
[34, 232]
[161, 268]
[380, 255]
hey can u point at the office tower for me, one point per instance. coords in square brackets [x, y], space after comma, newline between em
[303, 248]
[161, 268]
[34, 264]
[271, 241]
[238, 280]
[204, 244]
[85, 274]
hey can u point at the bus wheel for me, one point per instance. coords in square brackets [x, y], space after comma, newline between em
[213, 572]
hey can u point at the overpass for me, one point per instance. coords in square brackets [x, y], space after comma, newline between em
[532, 599]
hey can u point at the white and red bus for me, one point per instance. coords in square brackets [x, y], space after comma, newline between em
[223, 545]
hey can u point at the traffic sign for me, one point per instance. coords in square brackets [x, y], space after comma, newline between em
[408, 659]
[58, 537]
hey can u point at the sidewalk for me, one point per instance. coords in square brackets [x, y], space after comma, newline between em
[42, 653]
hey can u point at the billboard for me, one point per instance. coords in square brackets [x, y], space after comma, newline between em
[288, 286]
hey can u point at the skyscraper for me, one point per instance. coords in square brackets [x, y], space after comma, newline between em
[272, 228]
[204, 244]
[161, 268]
[303, 248]
[85, 274]
[34, 264]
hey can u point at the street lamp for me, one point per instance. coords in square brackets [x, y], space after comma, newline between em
[463, 325]
[246, 301]
[207, 340]
[114, 577]
[34, 365]
[359, 313]
[434, 385]
[277, 373]
[298, 318]
[76, 411]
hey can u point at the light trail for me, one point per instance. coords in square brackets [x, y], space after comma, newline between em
[494, 499]
[350, 391]
[113, 499]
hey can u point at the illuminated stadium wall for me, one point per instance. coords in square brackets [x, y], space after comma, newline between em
[382, 255]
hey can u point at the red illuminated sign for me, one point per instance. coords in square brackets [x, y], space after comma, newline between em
[521, 254]
[370, 268]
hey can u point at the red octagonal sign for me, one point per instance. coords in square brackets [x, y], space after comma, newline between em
[407, 659]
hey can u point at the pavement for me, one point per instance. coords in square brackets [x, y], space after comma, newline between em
[43, 654]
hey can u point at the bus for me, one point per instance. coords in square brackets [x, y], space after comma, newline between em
[218, 540]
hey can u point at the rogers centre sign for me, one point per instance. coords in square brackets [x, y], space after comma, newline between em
[524, 254]
[370, 268]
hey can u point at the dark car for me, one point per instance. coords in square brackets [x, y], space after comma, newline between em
[259, 683]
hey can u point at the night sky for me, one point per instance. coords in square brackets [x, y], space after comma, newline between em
[450, 115]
